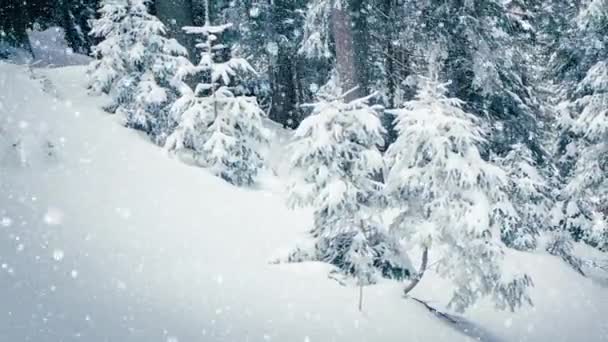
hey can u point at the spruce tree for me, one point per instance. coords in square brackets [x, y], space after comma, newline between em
[454, 203]
[582, 65]
[530, 191]
[221, 126]
[111, 29]
[154, 61]
[334, 163]
[136, 65]
[468, 36]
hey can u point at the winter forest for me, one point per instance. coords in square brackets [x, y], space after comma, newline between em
[303, 170]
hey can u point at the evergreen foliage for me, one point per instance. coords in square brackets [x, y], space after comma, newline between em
[334, 161]
[452, 200]
[220, 125]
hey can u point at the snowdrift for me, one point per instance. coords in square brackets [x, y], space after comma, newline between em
[104, 237]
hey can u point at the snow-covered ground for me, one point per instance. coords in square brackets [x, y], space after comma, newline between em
[104, 237]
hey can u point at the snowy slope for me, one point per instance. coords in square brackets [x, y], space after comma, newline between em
[148, 248]
[103, 237]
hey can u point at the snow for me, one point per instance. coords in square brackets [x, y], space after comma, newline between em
[145, 248]
[50, 48]
[567, 307]
[58, 255]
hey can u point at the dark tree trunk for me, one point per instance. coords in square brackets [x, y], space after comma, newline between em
[361, 43]
[176, 14]
[283, 91]
[390, 53]
[284, 67]
[345, 53]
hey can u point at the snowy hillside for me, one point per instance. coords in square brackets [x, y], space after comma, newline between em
[105, 237]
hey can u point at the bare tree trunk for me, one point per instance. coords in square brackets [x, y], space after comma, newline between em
[345, 52]
[417, 277]
[176, 14]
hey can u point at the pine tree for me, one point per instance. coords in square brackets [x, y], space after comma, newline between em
[582, 65]
[467, 35]
[111, 29]
[269, 33]
[529, 189]
[454, 202]
[136, 65]
[154, 61]
[586, 207]
[221, 126]
[334, 160]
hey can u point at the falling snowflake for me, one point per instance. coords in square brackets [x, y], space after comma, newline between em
[125, 213]
[58, 255]
[53, 217]
[6, 222]
[121, 285]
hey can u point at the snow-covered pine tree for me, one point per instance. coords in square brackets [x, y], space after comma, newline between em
[136, 65]
[154, 60]
[110, 28]
[335, 162]
[492, 85]
[221, 126]
[582, 65]
[586, 209]
[454, 203]
[530, 192]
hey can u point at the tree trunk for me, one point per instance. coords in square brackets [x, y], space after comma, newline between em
[176, 14]
[417, 277]
[389, 52]
[283, 92]
[345, 52]
[361, 47]
[283, 66]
